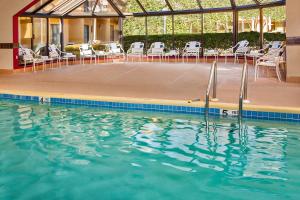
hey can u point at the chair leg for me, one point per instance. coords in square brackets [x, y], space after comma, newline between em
[255, 72]
[278, 73]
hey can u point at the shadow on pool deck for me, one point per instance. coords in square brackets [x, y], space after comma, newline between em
[172, 81]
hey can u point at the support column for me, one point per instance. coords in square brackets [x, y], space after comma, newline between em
[146, 31]
[261, 28]
[32, 34]
[121, 36]
[202, 33]
[47, 36]
[235, 27]
[95, 29]
[173, 32]
[62, 34]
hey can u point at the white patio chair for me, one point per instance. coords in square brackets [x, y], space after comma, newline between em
[136, 49]
[86, 51]
[193, 49]
[156, 49]
[56, 53]
[115, 49]
[30, 57]
[275, 45]
[240, 49]
[271, 59]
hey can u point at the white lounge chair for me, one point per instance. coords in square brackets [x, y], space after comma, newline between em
[86, 51]
[56, 53]
[156, 49]
[30, 57]
[271, 59]
[136, 49]
[115, 49]
[193, 49]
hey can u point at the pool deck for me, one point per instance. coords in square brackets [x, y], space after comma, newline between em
[163, 83]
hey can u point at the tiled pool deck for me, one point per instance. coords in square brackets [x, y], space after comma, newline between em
[164, 87]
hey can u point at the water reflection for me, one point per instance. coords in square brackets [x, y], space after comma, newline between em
[81, 136]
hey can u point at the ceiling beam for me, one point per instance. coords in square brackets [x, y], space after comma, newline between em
[115, 7]
[199, 4]
[40, 15]
[94, 7]
[233, 4]
[58, 6]
[169, 5]
[257, 2]
[73, 8]
[141, 6]
[42, 6]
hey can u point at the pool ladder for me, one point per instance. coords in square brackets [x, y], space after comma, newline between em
[212, 83]
[243, 90]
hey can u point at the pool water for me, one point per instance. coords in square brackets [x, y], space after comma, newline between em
[65, 152]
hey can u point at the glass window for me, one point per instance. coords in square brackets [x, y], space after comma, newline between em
[40, 36]
[84, 9]
[274, 19]
[54, 4]
[184, 5]
[54, 31]
[244, 2]
[25, 32]
[64, 8]
[137, 22]
[215, 3]
[155, 25]
[104, 8]
[249, 21]
[37, 5]
[218, 23]
[154, 5]
[187, 24]
[128, 6]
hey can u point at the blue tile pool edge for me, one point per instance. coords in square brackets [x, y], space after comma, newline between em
[157, 107]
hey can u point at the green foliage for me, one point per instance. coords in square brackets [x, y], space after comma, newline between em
[209, 40]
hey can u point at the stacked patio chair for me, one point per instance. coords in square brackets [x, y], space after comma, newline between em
[86, 51]
[56, 54]
[272, 59]
[136, 49]
[192, 49]
[156, 50]
[30, 57]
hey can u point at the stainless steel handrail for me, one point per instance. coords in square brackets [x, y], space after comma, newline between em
[243, 90]
[213, 79]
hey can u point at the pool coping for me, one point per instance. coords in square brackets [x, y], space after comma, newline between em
[162, 105]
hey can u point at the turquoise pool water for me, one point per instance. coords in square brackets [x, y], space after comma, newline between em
[63, 152]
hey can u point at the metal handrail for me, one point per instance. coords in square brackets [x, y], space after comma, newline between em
[213, 79]
[243, 90]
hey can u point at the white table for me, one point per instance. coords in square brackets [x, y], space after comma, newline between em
[174, 53]
[211, 52]
[254, 55]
